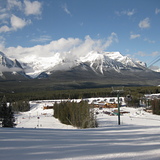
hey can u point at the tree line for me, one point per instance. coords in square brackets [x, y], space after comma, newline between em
[136, 93]
[79, 115]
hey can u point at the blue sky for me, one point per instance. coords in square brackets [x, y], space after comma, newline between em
[131, 27]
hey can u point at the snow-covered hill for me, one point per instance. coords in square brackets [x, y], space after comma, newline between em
[137, 138]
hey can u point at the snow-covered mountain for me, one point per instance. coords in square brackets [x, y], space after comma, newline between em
[92, 66]
[37, 65]
[11, 69]
[97, 61]
[111, 61]
[8, 63]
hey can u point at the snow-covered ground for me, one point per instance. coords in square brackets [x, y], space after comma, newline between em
[37, 117]
[39, 136]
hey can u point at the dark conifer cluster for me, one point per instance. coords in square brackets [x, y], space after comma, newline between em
[79, 115]
[7, 111]
[6, 114]
[21, 106]
[156, 106]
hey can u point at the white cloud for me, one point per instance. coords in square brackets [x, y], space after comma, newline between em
[3, 16]
[18, 23]
[112, 38]
[32, 8]
[140, 53]
[5, 29]
[3, 10]
[126, 12]
[6, 69]
[28, 7]
[70, 48]
[130, 13]
[144, 23]
[90, 44]
[2, 42]
[157, 11]
[133, 36]
[65, 8]
[64, 45]
[10, 21]
[155, 53]
[43, 38]
[14, 3]
[148, 40]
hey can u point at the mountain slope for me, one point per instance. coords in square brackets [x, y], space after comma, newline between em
[11, 69]
[98, 61]
[104, 68]
[107, 61]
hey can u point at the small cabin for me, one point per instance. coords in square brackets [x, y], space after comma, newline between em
[47, 107]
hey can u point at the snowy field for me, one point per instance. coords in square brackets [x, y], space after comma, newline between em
[39, 136]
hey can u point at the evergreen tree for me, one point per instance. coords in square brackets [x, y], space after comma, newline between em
[77, 114]
[21, 105]
[156, 106]
[6, 113]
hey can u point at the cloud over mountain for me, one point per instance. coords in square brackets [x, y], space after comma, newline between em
[75, 46]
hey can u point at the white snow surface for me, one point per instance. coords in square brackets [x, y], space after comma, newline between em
[137, 138]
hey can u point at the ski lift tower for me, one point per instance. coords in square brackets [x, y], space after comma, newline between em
[118, 90]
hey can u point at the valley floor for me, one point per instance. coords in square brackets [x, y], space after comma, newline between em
[39, 136]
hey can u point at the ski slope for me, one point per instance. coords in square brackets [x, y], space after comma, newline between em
[39, 136]
[37, 117]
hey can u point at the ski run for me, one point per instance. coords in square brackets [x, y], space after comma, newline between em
[39, 136]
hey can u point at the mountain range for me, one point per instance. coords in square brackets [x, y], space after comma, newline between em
[102, 67]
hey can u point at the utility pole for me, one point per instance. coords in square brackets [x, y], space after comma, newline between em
[118, 91]
[119, 122]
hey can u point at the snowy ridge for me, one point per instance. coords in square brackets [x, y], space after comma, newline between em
[36, 65]
[110, 60]
[8, 65]
[99, 62]
[5, 62]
